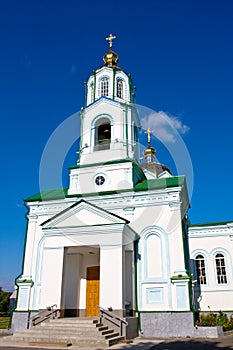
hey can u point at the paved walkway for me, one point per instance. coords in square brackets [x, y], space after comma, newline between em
[224, 343]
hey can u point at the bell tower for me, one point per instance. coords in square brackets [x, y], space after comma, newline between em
[109, 127]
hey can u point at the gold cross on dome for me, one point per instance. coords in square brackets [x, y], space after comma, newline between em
[110, 39]
[148, 132]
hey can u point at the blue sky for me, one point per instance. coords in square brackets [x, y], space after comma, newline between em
[180, 55]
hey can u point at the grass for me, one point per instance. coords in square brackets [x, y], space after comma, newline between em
[4, 322]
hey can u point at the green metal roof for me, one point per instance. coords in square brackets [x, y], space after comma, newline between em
[173, 181]
[138, 186]
[48, 195]
[211, 224]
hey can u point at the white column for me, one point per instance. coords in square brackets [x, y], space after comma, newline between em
[111, 277]
[29, 251]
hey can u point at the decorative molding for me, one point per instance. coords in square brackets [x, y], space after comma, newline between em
[111, 202]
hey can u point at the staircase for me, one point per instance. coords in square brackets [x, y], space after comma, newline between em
[81, 332]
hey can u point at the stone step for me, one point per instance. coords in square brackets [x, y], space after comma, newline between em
[77, 320]
[69, 325]
[49, 344]
[81, 343]
[107, 331]
[111, 335]
[51, 335]
[70, 328]
[114, 340]
[65, 332]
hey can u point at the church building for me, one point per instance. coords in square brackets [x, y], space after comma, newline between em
[119, 236]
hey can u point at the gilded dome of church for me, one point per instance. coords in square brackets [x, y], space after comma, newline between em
[149, 155]
[110, 58]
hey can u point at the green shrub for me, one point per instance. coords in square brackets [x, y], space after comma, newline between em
[216, 319]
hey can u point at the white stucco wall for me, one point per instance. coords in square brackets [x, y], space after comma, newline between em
[209, 240]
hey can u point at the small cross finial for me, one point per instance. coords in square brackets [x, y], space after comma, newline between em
[148, 132]
[110, 39]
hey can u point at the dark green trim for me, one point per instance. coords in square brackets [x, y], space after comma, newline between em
[186, 262]
[61, 193]
[211, 224]
[136, 282]
[177, 278]
[138, 174]
[24, 281]
[130, 87]
[144, 185]
[48, 195]
[85, 93]
[173, 181]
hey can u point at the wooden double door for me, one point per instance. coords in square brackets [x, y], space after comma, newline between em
[92, 290]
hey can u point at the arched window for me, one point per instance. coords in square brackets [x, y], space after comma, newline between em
[104, 85]
[200, 269]
[92, 92]
[120, 88]
[102, 134]
[220, 269]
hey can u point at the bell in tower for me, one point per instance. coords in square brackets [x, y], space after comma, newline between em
[103, 136]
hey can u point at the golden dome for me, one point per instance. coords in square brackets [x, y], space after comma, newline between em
[110, 58]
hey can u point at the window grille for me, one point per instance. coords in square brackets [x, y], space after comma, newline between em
[120, 88]
[104, 86]
[221, 269]
[200, 269]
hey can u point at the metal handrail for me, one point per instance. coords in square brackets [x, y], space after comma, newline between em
[113, 318]
[50, 312]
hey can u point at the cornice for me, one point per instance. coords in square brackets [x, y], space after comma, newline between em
[156, 197]
[210, 231]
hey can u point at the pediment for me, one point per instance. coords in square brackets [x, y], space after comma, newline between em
[83, 214]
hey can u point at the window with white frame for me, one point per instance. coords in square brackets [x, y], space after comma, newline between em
[200, 269]
[220, 268]
[120, 88]
[104, 86]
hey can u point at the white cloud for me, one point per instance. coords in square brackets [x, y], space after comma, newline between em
[164, 126]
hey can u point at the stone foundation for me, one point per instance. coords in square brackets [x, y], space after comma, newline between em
[174, 324]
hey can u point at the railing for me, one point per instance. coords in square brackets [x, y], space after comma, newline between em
[112, 318]
[50, 312]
